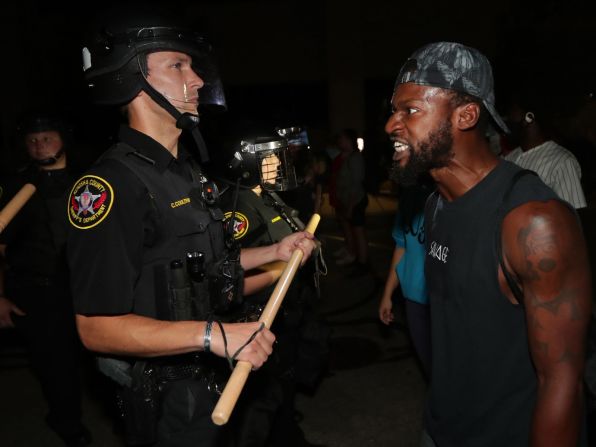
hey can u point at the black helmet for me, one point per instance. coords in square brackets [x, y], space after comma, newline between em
[114, 61]
[40, 121]
[269, 161]
[35, 121]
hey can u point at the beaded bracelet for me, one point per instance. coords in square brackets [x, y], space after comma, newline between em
[207, 337]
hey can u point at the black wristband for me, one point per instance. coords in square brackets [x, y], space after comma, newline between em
[207, 337]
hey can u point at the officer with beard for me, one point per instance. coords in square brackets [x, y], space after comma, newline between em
[506, 266]
[151, 270]
[36, 296]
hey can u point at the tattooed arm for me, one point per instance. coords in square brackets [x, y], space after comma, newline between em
[544, 246]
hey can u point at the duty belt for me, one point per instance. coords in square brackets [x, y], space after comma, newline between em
[179, 372]
[211, 369]
[208, 368]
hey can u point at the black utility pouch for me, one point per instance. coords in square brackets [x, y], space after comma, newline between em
[140, 405]
[226, 280]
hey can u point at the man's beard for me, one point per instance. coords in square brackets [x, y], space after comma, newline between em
[433, 153]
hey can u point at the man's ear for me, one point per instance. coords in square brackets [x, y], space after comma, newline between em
[467, 116]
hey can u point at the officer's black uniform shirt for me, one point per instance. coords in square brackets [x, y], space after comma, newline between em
[36, 236]
[256, 222]
[105, 253]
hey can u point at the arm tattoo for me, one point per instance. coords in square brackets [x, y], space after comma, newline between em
[553, 305]
[547, 265]
[540, 251]
[569, 356]
[543, 267]
[536, 245]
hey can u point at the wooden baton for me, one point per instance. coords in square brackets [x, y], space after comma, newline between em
[237, 379]
[15, 204]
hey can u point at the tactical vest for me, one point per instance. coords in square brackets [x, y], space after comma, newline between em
[275, 218]
[276, 227]
[182, 223]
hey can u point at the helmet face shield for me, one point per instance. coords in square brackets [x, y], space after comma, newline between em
[115, 60]
[202, 63]
[270, 169]
[269, 162]
[277, 170]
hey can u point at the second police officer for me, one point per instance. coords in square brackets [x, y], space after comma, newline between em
[34, 272]
[258, 168]
[146, 243]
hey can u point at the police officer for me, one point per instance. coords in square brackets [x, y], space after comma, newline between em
[265, 415]
[36, 296]
[146, 245]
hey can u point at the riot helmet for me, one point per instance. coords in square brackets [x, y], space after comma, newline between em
[269, 161]
[116, 70]
[45, 135]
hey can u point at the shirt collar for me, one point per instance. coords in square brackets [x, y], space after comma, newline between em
[151, 148]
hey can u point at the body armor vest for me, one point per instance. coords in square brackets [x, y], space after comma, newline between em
[276, 226]
[275, 218]
[181, 223]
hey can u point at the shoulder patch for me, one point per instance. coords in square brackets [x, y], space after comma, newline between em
[241, 224]
[89, 202]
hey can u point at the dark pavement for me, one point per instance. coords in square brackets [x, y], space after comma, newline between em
[372, 395]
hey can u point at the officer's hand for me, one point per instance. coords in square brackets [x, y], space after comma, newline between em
[302, 240]
[6, 308]
[237, 334]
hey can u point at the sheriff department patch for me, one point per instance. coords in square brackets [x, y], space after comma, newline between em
[90, 202]
[240, 224]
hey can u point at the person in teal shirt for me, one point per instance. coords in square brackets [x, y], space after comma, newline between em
[407, 271]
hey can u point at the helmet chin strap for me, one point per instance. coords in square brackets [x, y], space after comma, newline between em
[184, 121]
[50, 160]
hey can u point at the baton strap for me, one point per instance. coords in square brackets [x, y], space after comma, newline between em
[225, 340]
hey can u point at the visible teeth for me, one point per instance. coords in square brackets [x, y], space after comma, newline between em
[399, 147]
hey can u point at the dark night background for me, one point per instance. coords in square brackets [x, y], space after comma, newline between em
[322, 64]
[325, 65]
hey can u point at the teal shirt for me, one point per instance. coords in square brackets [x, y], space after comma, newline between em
[410, 269]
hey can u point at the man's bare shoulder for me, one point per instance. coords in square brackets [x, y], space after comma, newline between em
[552, 212]
[542, 239]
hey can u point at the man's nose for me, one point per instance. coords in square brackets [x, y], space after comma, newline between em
[393, 124]
[196, 81]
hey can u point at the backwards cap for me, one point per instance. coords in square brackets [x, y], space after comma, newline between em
[453, 66]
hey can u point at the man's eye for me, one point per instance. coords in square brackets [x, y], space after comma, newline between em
[412, 110]
[177, 65]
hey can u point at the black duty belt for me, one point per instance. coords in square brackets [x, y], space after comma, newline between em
[214, 371]
[178, 372]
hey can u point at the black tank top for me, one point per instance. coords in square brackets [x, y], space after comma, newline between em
[483, 386]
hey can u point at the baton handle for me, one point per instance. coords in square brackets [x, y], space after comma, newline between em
[236, 382]
[15, 204]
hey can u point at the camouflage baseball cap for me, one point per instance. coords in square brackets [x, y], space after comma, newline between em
[453, 66]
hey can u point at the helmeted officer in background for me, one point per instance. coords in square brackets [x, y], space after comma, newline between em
[36, 297]
[258, 169]
[151, 271]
